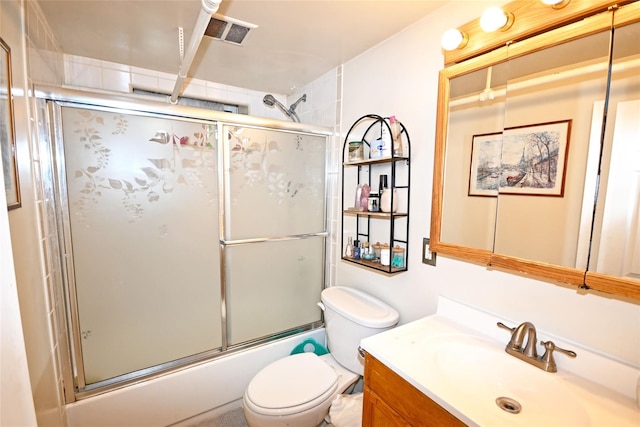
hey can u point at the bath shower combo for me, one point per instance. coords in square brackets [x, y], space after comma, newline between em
[291, 111]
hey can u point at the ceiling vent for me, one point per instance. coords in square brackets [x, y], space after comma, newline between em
[228, 29]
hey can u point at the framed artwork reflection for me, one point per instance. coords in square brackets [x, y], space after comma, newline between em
[534, 159]
[524, 160]
[484, 178]
[7, 131]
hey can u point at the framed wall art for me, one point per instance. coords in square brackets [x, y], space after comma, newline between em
[485, 165]
[7, 130]
[534, 159]
[526, 160]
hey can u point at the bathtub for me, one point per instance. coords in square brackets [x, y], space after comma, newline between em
[182, 397]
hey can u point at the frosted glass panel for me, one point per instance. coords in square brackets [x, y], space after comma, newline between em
[275, 181]
[143, 207]
[273, 286]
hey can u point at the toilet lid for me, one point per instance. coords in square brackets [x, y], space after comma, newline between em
[291, 381]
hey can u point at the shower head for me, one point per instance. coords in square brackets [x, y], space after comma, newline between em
[270, 101]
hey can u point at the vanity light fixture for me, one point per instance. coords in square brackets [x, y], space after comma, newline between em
[494, 19]
[453, 39]
[556, 4]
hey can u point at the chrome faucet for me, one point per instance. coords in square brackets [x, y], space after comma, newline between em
[528, 352]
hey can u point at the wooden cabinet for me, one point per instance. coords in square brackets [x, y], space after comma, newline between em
[387, 228]
[389, 400]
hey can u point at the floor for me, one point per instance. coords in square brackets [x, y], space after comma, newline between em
[347, 411]
[234, 418]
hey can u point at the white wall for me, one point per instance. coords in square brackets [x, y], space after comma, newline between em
[399, 77]
[16, 405]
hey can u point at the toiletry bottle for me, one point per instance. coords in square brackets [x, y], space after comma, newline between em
[358, 199]
[395, 136]
[348, 253]
[364, 196]
[372, 205]
[385, 255]
[382, 184]
[385, 136]
[356, 249]
[397, 257]
[377, 247]
[386, 195]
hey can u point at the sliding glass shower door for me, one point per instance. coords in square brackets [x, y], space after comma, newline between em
[143, 220]
[274, 233]
[182, 237]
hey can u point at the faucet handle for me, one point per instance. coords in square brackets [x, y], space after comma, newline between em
[547, 357]
[503, 326]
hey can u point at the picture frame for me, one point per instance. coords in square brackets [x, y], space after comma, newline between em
[534, 159]
[523, 160]
[7, 130]
[485, 165]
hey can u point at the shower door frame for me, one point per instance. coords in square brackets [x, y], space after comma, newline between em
[49, 102]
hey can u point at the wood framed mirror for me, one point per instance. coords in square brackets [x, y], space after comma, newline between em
[524, 140]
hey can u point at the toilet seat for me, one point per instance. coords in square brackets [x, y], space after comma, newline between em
[303, 381]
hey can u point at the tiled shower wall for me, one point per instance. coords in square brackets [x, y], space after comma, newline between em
[40, 312]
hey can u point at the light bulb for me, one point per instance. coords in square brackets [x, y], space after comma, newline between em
[494, 19]
[453, 39]
[556, 4]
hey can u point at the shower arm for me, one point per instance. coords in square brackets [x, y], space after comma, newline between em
[209, 7]
[293, 107]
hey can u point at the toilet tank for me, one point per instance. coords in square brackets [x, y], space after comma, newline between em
[349, 316]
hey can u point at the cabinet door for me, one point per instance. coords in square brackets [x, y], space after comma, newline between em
[389, 400]
[376, 413]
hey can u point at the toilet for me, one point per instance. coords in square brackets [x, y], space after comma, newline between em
[297, 390]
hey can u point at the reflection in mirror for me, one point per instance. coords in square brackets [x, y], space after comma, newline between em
[534, 209]
[549, 105]
[616, 239]
[473, 132]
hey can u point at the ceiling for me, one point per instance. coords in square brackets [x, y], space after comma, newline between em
[296, 41]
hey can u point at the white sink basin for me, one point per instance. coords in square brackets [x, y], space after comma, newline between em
[481, 373]
[464, 368]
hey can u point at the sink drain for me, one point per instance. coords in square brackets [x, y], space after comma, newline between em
[509, 405]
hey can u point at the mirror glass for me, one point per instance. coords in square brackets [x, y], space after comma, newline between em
[616, 239]
[550, 147]
[474, 127]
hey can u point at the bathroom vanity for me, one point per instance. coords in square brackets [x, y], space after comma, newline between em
[451, 368]
[389, 400]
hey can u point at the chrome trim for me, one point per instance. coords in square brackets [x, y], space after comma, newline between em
[361, 352]
[145, 374]
[221, 153]
[133, 103]
[66, 249]
[273, 239]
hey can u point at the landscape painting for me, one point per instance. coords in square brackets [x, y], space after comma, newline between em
[527, 160]
[485, 165]
[534, 158]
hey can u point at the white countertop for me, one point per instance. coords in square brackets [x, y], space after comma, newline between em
[461, 364]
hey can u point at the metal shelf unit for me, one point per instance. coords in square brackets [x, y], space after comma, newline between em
[386, 227]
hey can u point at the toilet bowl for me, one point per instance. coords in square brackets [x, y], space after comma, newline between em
[298, 390]
[295, 391]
